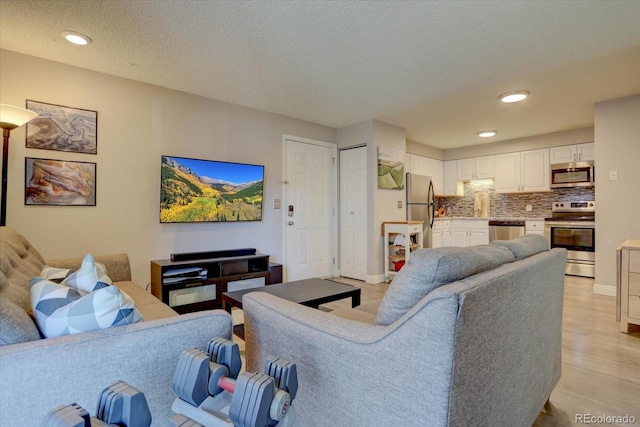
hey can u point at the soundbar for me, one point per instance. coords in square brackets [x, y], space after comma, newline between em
[191, 256]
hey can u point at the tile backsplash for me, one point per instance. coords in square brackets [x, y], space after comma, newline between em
[511, 205]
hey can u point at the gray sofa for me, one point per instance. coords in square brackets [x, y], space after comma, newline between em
[463, 336]
[38, 375]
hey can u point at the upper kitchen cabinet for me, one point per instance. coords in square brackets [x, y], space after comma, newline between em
[421, 165]
[452, 187]
[476, 168]
[526, 171]
[573, 153]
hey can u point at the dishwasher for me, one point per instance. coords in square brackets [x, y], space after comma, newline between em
[505, 230]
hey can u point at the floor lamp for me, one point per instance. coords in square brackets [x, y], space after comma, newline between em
[10, 118]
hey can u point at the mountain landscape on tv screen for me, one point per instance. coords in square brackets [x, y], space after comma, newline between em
[189, 197]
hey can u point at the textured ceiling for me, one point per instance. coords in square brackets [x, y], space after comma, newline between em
[433, 67]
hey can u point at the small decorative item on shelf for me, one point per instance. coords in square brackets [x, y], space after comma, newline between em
[399, 240]
[397, 265]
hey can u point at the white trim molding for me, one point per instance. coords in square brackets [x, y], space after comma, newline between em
[604, 290]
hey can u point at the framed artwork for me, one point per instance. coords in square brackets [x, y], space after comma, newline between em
[390, 168]
[59, 182]
[62, 128]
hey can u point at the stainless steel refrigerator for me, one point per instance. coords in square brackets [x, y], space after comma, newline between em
[421, 203]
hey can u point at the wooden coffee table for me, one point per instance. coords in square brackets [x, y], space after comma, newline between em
[309, 292]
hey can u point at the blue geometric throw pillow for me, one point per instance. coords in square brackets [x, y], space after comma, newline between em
[91, 276]
[62, 310]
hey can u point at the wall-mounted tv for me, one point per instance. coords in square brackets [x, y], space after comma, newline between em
[194, 190]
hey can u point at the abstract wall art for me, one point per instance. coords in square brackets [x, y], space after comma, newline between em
[62, 128]
[59, 182]
[390, 168]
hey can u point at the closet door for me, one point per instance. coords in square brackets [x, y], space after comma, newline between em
[353, 213]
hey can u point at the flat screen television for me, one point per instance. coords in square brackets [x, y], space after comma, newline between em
[195, 190]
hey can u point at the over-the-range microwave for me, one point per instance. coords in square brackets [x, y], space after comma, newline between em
[578, 174]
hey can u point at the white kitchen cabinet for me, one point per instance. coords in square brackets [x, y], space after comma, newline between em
[573, 153]
[421, 165]
[452, 187]
[476, 168]
[628, 285]
[534, 227]
[436, 172]
[400, 239]
[407, 162]
[526, 171]
[469, 232]
[441, 233]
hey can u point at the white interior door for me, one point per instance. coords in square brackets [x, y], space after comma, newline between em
[309, 209]
[353, 213]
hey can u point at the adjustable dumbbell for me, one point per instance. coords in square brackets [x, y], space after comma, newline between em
[118, 405]
[257, 400]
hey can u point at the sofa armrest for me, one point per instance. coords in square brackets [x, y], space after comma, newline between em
[344, 365]
[37, 376]
[118, 266]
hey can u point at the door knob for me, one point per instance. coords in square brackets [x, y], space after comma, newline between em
[291, 223]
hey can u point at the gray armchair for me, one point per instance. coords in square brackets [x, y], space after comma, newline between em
[483, 350]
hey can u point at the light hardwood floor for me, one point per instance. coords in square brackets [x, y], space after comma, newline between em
[600, 365]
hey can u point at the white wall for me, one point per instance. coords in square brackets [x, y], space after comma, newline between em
[617, 136]
[355, 135]
[385, 202]
[137, 123]
[424, 150]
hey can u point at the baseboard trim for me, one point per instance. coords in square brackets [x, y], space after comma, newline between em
[373, 279]
[604, 290]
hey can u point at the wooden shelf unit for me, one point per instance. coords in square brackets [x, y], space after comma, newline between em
[413, 234]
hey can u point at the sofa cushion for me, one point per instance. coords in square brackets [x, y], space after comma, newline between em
[19, 261]
[524, 246]
[63, 310]
[428, 269]
[15, 325]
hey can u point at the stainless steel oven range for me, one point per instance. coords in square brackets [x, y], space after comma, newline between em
[572, 226]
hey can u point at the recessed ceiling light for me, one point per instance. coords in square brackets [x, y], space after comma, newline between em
[514, 96]
[76, 38]
[487, 133]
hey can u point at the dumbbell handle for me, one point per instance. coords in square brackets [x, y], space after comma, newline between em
[228, 384]
[279, 404]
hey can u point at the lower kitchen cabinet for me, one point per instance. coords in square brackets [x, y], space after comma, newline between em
[466, 232]
[534, 227]
[628, 286]
[441, 234]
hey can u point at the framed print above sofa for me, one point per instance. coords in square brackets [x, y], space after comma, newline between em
[59, 182]
[62, 128]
